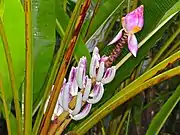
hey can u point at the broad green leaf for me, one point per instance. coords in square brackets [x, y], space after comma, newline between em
[165, 111]
[14, 27]
[43, 23]
[80, 49]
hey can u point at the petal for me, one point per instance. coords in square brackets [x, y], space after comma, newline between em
[98, 97]
[87, 90]
[132, 44]
[96, 52]
[46, 104]
[81, 77]
[81, 71]
[72, 75]
[95, 90]
[117, 37]
[55, 112]
[109, 75]
[93, 66]
[74, 88]
[66, 97]
[78, 106]
[60, 110]
[104, 58]
[60, 98]
[82, 114]
[133, 21]
[72, 80]
[100, 71]
[140, 16]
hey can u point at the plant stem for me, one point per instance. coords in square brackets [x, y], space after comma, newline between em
[174, 47]
[28, 70]
[11, 75]
[6, 110]
[122, 122]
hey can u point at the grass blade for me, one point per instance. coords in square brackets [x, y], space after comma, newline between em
[6, 110]
[11, 75]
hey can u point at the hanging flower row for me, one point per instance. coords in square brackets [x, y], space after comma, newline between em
[87, 88]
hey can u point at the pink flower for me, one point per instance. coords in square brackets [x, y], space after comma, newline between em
[131, 23]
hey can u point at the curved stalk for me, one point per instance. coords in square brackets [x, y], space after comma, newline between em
[122, 122]
[28, 70]
[11, 75]
[6, 110]
[170, 51]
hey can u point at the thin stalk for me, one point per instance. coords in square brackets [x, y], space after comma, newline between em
[128, 6]
[55, 66]
[63, 69]
[28, 70]
[163, 49]
[122, 122]
[90, 23]
[174, 47]
[62, 127]
[6, 110]
[102, 128]
[128, 122]
[11, 75]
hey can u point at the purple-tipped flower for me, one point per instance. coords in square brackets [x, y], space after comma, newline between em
[97, 68]
[132, 23]
[83, 113]
[81, 72]
[96, 94]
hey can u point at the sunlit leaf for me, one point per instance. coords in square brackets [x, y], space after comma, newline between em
[14, 27]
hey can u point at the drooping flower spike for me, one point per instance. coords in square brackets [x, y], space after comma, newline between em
[86, 89]
[131, 23]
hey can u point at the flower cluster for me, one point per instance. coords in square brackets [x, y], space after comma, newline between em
[88, 89]
[131, 23]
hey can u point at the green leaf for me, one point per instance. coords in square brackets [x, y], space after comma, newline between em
[103, 15]
[13, 13]
[80, 49]
[165, 111]
[43, 23]
[1, 8]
